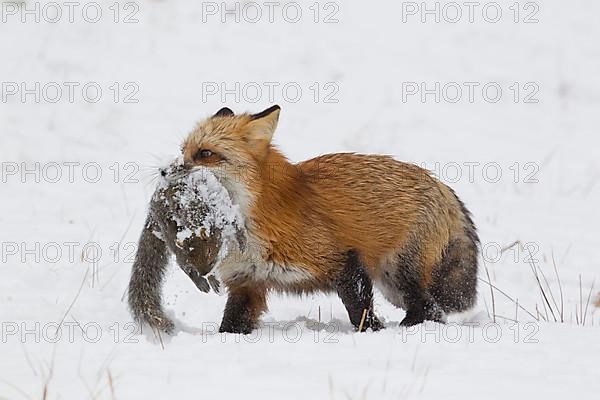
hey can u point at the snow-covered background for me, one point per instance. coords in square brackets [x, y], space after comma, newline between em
[356, 64]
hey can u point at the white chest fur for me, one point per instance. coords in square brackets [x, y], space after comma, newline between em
[250, 266]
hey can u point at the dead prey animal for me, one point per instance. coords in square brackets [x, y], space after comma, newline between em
[190, 216]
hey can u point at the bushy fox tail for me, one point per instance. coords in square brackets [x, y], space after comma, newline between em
[454, 285]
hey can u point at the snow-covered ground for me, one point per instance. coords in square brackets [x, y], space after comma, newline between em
[526, 165]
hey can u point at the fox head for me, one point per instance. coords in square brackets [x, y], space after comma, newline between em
[234, 147]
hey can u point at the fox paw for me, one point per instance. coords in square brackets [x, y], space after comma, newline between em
[370, 322]
[416, 316]
[243, 327]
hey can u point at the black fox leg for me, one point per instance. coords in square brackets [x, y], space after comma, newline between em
[145, 284]
[418, 302]
[243, 309]
[355, 288]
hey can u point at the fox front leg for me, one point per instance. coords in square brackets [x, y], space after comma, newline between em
[243, 309]
[355, 288]
[147, 275]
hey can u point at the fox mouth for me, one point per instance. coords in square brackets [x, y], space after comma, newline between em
[178, 170]
[170, 176]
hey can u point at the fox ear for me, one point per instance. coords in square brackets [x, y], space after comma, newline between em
[224, 112]
[262, 125]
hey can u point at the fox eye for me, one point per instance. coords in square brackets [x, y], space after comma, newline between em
[202, 153]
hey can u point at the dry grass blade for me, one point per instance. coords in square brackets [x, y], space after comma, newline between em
[74, 299]
[510, 246]
[111, 384]
[546, 302]
[587, 303]
[158, 336]
[16, 388]
[50, 375]
[487, 272]
[487, 309]
[562, 303]
[550, 291]
[510, 298]
[580, 300]
[362, 320]
[506, 318]
[28, 359]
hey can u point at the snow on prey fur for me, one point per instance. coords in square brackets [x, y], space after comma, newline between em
[339, 222]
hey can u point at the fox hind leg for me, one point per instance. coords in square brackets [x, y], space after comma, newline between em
[406, 279]
[355, 289]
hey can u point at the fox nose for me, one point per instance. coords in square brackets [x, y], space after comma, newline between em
[163, 172]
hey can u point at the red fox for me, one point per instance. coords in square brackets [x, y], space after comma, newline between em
[338, 223]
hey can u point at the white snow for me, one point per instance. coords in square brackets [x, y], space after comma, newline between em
[528, 171]
[185, 233]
